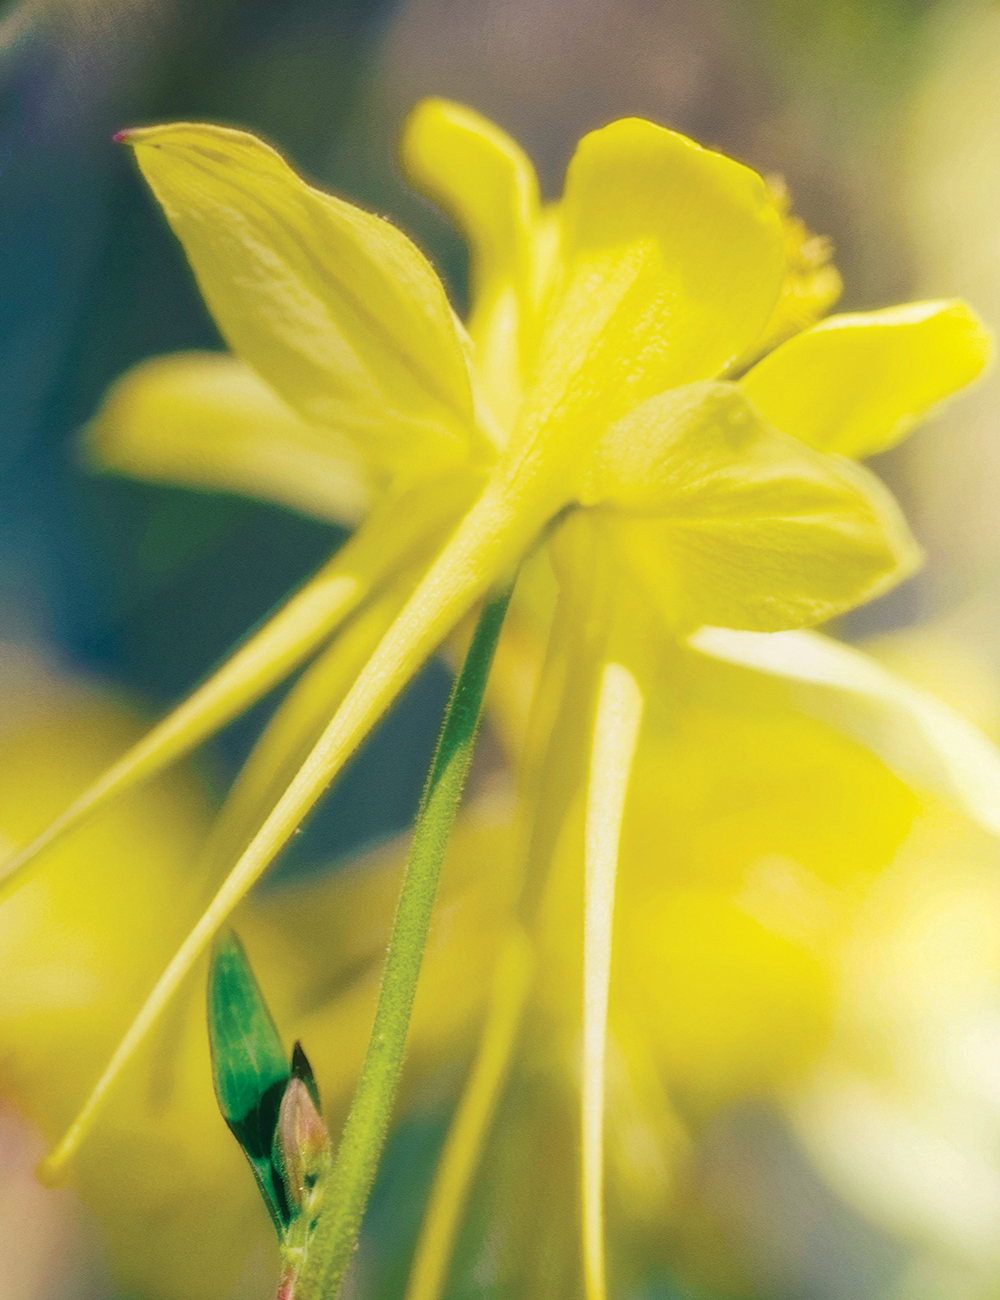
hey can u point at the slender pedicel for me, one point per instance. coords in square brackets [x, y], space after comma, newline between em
[339, 1219]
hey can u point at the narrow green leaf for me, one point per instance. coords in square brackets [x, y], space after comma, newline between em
[249, 1066]
[344, 1200]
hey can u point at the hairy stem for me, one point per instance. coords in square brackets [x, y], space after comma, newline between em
[487, 543]
[364, 1133]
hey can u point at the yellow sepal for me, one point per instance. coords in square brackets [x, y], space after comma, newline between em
[335, 308]
[926, 744]
[487, 185]
[205, 420]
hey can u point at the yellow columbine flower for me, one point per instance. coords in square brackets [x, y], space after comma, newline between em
[597, 404]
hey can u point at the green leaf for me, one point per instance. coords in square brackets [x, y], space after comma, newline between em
[249, 1067]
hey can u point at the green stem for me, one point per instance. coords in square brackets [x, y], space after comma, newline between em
[353, 1173]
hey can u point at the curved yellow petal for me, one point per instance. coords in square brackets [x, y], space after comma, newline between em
[722, 519]
[673, 261]
[923, 741]
[205, 420]
[856, 384]
[336, 309]
[486, 184]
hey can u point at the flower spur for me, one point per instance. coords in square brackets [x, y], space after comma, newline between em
[593, 394]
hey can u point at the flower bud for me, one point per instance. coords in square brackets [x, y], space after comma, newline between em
[302, 1144]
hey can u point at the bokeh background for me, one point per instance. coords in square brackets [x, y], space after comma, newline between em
[884, 118]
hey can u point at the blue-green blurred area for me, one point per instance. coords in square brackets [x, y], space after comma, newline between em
[146, 588]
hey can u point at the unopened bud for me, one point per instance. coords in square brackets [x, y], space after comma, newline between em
[302, 1144]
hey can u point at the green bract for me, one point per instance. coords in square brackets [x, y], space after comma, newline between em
[249, 1066]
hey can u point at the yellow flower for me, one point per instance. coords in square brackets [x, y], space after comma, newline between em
[598, 405]
[585, 378]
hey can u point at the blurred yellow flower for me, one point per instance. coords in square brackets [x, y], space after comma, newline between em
[735, 920]
[81, 942]
[776, 788]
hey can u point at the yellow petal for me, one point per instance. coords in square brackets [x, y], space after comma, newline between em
[205, 420]
[727, 887]
[923, 741]
[744, 526]
[721, 814]
[485, 183]
[673, 261]
[336, 309]
[856, 384]
[731, 1005]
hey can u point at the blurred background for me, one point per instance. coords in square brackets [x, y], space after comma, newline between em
[883, 116]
